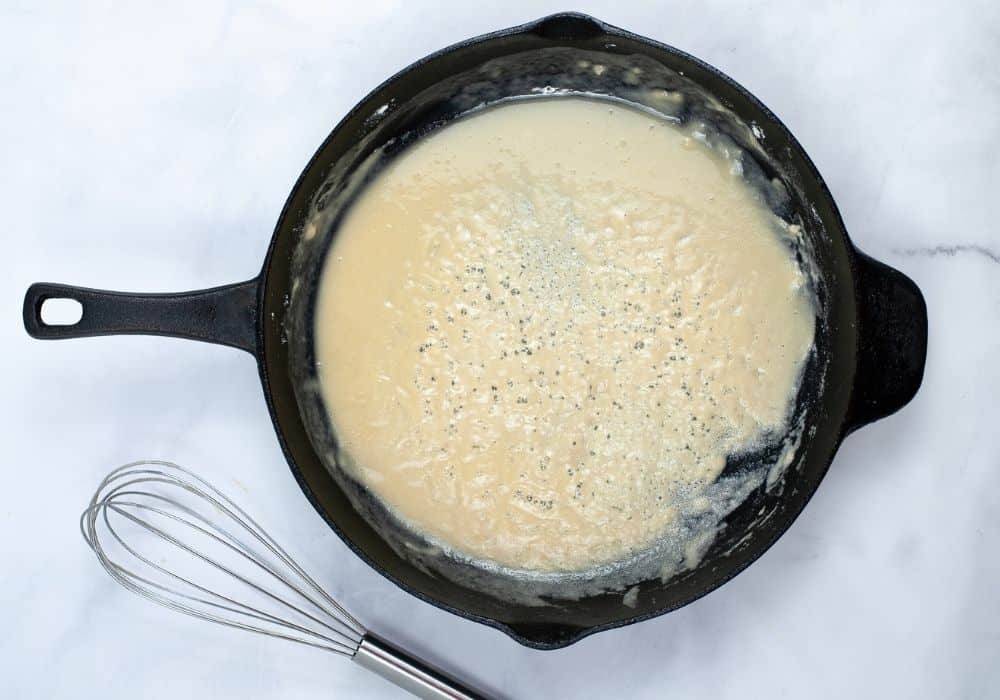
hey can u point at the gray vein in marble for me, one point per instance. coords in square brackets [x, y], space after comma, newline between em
[950, 251]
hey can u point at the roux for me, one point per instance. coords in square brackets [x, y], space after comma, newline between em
[543, 328]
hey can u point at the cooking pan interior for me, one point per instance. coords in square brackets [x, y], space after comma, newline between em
[543, 60]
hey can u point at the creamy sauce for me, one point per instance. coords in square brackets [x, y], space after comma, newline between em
[542, 329]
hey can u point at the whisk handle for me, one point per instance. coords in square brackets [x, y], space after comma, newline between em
[409, 673]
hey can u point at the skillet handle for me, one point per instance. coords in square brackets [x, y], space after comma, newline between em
[224, 315]
[892, 341]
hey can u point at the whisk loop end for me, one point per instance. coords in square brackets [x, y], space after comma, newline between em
[197, 542]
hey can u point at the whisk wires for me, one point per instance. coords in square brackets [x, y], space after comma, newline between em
[172, 506]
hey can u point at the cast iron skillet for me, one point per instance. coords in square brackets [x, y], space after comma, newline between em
[872, 341]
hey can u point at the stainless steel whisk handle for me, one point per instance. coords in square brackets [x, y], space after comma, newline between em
[409, 673]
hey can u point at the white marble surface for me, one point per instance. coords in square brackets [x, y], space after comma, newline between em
[149, 146]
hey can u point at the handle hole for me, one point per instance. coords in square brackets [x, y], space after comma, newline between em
[61, 312]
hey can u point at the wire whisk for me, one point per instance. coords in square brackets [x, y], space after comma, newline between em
[204, 556]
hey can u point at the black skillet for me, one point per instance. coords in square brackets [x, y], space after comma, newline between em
[871, 341]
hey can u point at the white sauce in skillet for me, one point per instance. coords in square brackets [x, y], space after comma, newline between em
[546, 325]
